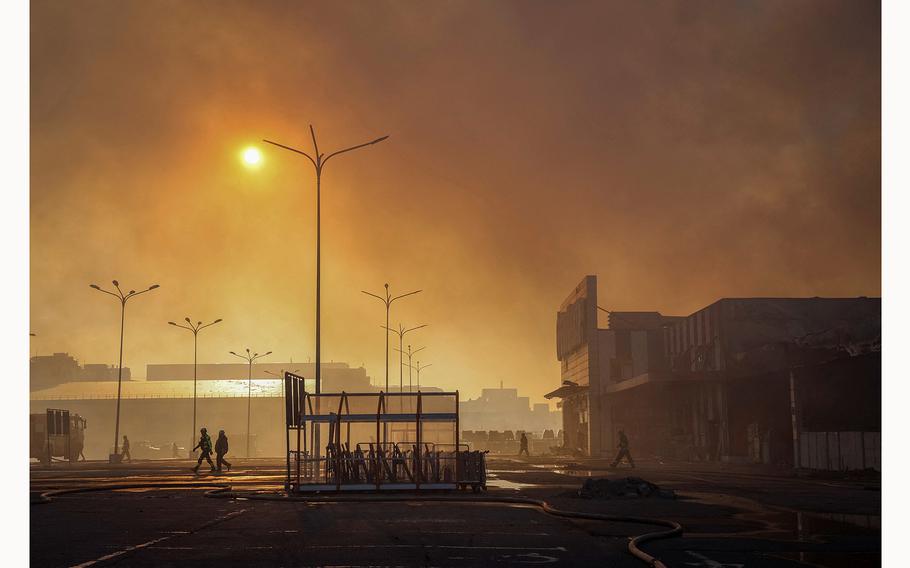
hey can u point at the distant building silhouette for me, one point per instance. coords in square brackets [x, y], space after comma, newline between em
[50, 370]
[503, 409]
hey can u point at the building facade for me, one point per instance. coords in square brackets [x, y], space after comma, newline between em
[743, 379]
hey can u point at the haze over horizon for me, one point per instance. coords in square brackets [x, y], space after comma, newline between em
[721, 150]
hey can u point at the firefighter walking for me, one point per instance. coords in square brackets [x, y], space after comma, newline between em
[205, 447]
[221, 448]
[623, 451]
[523, 445]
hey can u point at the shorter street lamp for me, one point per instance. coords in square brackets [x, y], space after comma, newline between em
[410, 354]
[401, 331]
[281, 376]
[249, 358]
[418, 368]
[195, 328]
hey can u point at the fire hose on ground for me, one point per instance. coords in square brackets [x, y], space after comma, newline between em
[224, 490]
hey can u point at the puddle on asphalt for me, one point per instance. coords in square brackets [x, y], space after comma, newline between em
[494, 480]
[808, 526]
[584, 472]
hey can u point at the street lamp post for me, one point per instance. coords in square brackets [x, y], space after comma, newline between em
[123, 299]
[402, 331]
[281, 376]
[319, 163]
[249, 358]
[419, 368]
[388, 303]
[32, 334]
[195, 329]
[410, 354]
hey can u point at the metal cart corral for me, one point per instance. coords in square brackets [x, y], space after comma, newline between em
[376, 441]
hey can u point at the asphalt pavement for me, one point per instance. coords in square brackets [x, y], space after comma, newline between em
[732, 517]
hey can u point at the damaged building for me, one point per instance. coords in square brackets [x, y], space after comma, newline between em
[789, 381]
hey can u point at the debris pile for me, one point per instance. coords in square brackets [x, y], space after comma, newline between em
[623, 488]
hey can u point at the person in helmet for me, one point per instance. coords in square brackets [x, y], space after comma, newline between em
[221, 448]
[205, 449]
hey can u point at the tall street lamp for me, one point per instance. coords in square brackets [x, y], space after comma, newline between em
[195, 328]
[249, 358]
[388, 303]
[410, 354]
[402, 331]
[123, 299]
[319, 163]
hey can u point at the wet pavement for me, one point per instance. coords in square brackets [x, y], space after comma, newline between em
[731, 518]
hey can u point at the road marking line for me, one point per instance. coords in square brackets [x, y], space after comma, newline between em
[134, 548]
[172, 547]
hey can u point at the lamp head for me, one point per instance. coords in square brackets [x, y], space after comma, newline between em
[95, 286]
[153, 286]
[115, 283]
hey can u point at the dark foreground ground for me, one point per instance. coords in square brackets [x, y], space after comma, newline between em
[732, 517]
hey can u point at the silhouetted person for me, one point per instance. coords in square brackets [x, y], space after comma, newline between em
[205, 449]
[524, 445]
[221, 448]
[623, 450]
[175, 452]
[125, 450]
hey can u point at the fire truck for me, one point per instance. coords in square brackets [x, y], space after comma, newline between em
[56, 434]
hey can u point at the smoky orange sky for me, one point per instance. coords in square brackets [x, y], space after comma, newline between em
[681, 151]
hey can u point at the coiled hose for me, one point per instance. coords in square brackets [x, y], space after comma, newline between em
[224, 490]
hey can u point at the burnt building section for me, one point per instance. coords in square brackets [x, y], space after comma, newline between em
[793, 381]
